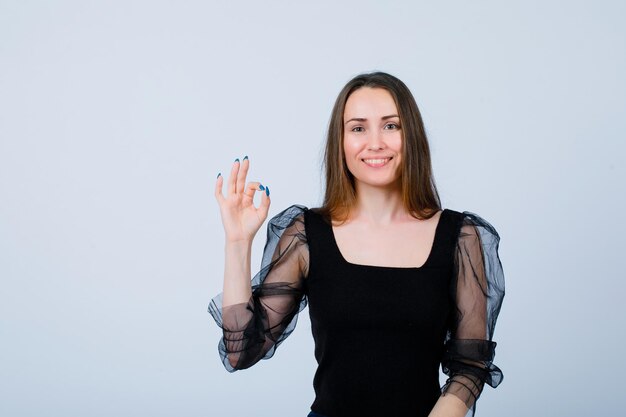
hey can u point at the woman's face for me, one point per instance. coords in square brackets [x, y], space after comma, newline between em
[372, 141]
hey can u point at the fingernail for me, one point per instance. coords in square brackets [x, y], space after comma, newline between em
[261, 187]
[267, 191]
[245, 157]
[237, 160]
[218, 174]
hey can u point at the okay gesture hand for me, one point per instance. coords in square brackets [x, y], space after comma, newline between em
[240, 218]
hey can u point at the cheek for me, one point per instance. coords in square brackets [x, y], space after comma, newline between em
[397, 145]
[397, 141]
[350, 147]
[350, 152]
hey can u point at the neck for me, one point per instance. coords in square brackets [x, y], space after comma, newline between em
[378, 205]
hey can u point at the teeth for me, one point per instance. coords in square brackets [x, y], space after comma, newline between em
[375, 161]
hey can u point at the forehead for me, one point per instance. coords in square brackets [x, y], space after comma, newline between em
[367, 102]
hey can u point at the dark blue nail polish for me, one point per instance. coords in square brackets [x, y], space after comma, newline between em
[236, 159]
[245, 157]
[267, 191]
[261, 187]
[218, 174]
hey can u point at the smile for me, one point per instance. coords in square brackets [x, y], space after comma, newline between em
[376, 163]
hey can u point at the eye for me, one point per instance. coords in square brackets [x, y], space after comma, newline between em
[357, 129]
[393, 126]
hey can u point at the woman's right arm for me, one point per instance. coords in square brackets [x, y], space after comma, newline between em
[241, 221]
[257, 316]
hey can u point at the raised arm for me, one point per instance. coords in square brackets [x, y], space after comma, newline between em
[256, 316]
[241, 221]
[478, 291]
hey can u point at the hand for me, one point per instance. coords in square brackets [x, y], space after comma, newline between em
[240, 218]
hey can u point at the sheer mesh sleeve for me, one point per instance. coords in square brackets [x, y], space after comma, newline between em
[478, 291]
[252, 331]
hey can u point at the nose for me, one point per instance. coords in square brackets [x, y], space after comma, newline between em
[375, 140]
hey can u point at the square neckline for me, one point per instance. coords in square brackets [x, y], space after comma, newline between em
[405, 268]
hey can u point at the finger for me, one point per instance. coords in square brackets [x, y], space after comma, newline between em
[248, 195]
[218, 188]
[233, 178]
[264, 207]
[241, 175]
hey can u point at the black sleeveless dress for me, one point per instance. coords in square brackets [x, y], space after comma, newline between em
[381, 333]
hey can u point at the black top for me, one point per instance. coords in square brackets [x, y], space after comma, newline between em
[380, 332]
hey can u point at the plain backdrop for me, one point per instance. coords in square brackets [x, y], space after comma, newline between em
[116, 116]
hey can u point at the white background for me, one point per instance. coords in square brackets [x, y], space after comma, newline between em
[115, 118]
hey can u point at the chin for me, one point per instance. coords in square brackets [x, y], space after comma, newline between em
[380, 183]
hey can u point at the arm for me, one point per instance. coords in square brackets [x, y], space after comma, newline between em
[237, 256]
[478, 291]
[257, 316]
[253, 328]
[449, 406]
[241, 221]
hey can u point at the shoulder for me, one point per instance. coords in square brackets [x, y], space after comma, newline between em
[288, 224]
[301, 208]
[291, 217]
[471, 224]
[318, 214]
[454, 214]
[290, 213]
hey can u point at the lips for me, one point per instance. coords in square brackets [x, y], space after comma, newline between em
[376, 162]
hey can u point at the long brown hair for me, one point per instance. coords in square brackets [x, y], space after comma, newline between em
[419, 192]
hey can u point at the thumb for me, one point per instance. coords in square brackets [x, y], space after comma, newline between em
[264, 206]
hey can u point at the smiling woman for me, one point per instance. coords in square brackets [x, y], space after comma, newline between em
[372, 138]
[417, 186]
[396, 285]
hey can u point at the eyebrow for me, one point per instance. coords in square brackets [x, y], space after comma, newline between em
[362, 119]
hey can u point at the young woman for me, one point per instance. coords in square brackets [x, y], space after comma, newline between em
[396, 286]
